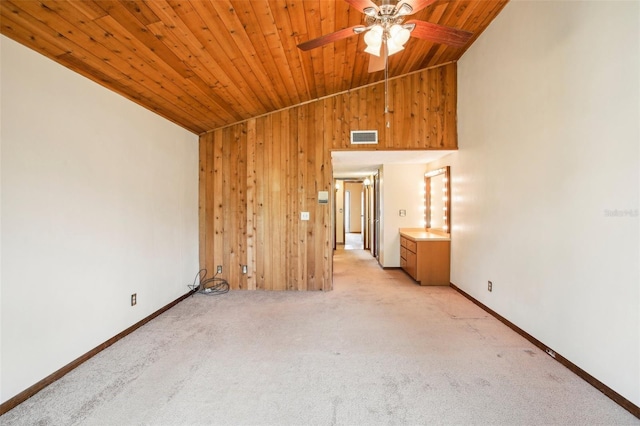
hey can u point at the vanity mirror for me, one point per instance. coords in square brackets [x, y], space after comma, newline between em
[437, 200]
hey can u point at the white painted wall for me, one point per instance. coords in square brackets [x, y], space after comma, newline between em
[548, 112]
[99, 200]
[355, 206]
[339, 218]
[402, 188]
[1, 104]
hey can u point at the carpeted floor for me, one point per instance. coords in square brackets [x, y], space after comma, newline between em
[353, 241]
[378, 350]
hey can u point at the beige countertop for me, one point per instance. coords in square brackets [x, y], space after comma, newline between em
[417, 234]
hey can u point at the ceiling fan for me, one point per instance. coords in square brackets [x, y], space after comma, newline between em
[386, 31]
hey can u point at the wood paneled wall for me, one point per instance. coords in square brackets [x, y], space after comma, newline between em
[256, 177]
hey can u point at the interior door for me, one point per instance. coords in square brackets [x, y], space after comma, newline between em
[347, 212]
[376, 216]
[366, 229]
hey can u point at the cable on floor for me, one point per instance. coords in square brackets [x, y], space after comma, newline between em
[209, 286]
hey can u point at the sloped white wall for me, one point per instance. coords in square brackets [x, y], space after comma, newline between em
[546, 180]
[99, 200]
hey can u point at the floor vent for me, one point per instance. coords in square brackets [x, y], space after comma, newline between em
[364, 136]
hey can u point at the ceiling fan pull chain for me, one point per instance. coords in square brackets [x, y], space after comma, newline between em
[386, 79]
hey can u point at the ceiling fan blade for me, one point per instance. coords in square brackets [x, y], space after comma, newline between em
[361, 5]
[377, 63]
[416, 5]
[439, 33]
[329, 38]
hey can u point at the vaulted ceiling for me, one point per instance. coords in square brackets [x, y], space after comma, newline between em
[204, 64]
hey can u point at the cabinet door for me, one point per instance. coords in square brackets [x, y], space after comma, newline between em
[412, 264]
[434, 262]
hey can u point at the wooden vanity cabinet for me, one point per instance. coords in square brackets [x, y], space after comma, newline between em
[427, 262]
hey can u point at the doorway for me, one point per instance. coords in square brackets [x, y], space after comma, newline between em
[353, 224]
[358, 165]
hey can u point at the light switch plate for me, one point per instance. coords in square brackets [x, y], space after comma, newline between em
[403, 213]
[304, 215]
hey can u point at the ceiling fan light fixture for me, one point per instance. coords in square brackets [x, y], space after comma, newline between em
[373, 37]
[370, 11]
[399, 34]
[373, 50]
[404, 10]
[393, 47]
[410, 27]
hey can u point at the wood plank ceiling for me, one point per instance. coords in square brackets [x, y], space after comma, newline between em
[205, 64]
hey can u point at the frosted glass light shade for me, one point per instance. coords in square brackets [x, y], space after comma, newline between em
[373, 50]
[393, 47]
[374, 36]
[399, 34]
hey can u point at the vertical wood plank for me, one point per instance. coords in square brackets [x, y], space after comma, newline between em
[451, 109]
[292, 198]
[303, 124]
[214, 188]
[240, 174]
[251, 204]
[261, 236]
[275, 211]
[268, 203]
[202, 199]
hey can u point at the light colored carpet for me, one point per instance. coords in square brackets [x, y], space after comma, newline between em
[353, 241]
[378, 350]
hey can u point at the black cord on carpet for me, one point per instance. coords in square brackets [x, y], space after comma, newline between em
[209, 286]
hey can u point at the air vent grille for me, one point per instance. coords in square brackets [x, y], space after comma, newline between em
[364, 136]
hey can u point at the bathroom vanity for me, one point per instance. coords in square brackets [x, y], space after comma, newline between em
[426, 256]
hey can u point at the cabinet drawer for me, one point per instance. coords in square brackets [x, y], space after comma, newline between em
[412, 259]
[403, 242]
[403, 253]
[411, 246]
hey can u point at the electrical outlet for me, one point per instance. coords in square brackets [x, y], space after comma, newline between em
[219, 269]
[244, 269]
[489, 286]
[134, 299]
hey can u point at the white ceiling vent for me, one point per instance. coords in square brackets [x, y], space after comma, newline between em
[364, 137]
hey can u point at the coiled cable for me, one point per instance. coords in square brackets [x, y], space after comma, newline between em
[209, 286]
